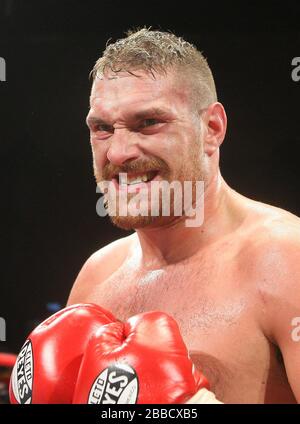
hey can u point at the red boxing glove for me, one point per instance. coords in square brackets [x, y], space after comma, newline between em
[47, 367]
[142, 361]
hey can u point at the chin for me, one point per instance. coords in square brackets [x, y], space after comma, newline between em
[133, 222]
[136, 222]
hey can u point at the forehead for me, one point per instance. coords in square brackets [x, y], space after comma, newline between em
[123, 92]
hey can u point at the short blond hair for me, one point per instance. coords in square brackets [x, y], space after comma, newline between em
[158, 52]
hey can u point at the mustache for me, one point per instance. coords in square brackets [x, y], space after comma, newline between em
[135, 166]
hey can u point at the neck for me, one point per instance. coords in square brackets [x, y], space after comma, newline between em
[172, 243]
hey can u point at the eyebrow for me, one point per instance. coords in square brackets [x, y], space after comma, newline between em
[154, 111]
[143, 114]
[93, 120]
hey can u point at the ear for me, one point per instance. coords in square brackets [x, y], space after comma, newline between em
[215, 121]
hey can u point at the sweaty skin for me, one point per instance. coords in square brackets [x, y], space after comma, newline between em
[232, 283]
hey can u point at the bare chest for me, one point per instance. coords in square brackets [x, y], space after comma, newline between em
[201, 300]
[217, 316]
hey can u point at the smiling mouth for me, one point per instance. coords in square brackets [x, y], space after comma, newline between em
[127, 179]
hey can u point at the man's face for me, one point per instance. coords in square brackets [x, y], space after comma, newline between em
[145, 127]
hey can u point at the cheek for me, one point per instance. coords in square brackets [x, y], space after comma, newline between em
[157, 146]
[99, 155]
[164, 145]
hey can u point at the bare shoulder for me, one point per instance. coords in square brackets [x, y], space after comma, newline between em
[271, 228]
[271, 238]
[99, 266]
[270, 256]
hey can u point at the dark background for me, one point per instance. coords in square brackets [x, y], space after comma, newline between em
[48, 195]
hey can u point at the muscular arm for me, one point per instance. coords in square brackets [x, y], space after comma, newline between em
[281, 291]
[99, 266]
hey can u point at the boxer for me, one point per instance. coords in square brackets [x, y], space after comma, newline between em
[232, 282]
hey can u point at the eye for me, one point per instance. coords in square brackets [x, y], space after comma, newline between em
[103, 128]
[150, 125]
[149, 122]
[100, 131]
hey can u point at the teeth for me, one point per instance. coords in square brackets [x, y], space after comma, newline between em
[125, 180]
[137, 180]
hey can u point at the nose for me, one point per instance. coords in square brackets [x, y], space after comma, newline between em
[123, 146]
